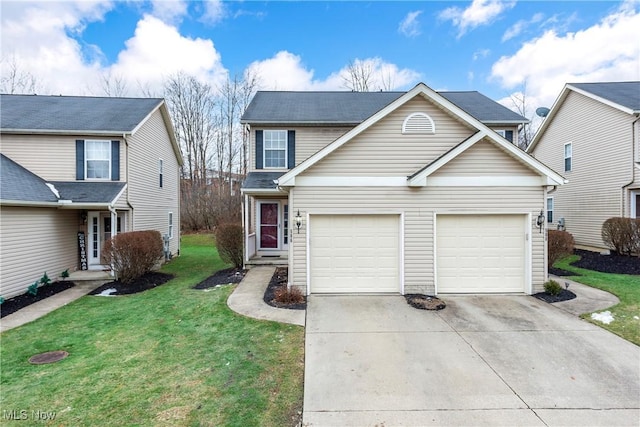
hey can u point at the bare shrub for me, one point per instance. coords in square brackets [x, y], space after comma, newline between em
[288, 295]
[622, 235]
[560, 244]
[134, 253]
[229, 243]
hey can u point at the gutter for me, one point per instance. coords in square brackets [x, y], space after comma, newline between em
[633, 165]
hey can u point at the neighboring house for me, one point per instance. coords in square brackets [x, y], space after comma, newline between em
[402, 192]
[592, 137]
[76, 168]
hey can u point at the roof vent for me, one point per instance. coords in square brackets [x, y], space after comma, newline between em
[418, 123]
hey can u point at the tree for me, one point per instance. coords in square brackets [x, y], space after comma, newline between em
[15, 80]
[527, 132]
[113, 85]
[368, 75]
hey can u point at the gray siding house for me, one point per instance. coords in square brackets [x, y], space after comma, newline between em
[81, 169]
[592, 136]
[394, 192]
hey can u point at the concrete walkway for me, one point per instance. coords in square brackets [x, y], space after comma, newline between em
[587, 299]
[47, 305]
[247, 299]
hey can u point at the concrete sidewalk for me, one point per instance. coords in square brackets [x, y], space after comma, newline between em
[587, 299]
[47, 305]
[247, 299]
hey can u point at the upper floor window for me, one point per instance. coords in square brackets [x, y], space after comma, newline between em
[506, 134]
[275, 149]
[98, 159]
[418, 123]
[568, 154]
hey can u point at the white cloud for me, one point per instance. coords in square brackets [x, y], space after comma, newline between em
[410, 26]
[481, 54]
[480, 12]
[285, 71]
[520, 26]
[606, 51]
[214, 12]
[170, 12]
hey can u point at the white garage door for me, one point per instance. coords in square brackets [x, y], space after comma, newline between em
[480, 253]
[354, 253]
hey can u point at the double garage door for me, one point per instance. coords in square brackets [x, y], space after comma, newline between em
[361, 253]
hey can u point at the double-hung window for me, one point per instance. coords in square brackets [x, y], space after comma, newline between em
[275, 149]
[98, 159]
[568, 154]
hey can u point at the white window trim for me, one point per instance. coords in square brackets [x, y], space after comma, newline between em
[552, 210]
[264, 148]
[418, 132]
[86, 159]
[632, 203]
[570, 157]
[170, 224]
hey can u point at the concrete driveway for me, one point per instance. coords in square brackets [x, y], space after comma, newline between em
[494, 360]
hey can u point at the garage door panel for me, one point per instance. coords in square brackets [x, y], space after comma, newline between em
[480, 253]
[354, 253]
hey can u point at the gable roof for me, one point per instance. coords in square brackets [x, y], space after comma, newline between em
[419, 178]
[623, 96]
[21, 185]
[352, 108]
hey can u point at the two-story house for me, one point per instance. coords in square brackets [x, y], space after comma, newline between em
[394, 192]
[592, 136]
[75, 171]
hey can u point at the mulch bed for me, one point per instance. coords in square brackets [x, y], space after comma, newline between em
[425, 302]
[222, 277]
[561, 273]
[16, 303]
[565, 295]
[280, 278]
[614, 263]
[143, 283]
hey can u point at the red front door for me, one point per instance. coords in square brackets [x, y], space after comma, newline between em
[268, 225]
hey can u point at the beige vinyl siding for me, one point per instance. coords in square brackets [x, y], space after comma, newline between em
[382, 149]
[601, 138]
[418, 207]
[35, 241]
[308, 141]
[152, 204]
[484, 159]
[512, 128]
[56, 154]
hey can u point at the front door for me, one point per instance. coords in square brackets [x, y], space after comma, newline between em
[99, 231]
[269, 227]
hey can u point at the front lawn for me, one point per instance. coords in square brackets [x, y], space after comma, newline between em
[171, 356]
[626, 287]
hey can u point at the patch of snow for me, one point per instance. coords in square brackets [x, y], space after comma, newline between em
[605, 317]
[636, 317]
[108, 292]
[53, 189]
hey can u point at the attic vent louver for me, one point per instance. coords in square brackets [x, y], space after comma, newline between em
[418, 123]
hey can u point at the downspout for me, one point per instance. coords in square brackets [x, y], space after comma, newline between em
[126, 145]
[633, 165]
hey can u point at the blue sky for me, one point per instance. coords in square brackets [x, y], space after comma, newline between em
[492, 46]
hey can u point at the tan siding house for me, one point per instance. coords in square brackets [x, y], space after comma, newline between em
[590, 136]
[81, 168]
[419, 196]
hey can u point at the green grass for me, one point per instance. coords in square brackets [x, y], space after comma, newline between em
[170, 356]
[625, 287]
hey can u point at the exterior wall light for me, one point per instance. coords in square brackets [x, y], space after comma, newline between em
[540, 220]
[298, 220]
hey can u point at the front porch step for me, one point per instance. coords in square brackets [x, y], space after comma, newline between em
[90, 278]
[260, 261]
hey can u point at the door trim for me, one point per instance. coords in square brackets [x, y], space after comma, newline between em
[259, 225]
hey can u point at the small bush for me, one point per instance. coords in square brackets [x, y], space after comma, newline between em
[553, 288]
[560, 244]
[229, 243]
[288, 295]
[134, 253]
[45, 280]
[65, 274]
[33, 288]
[622, 235]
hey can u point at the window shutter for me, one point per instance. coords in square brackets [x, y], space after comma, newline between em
[508, 135]
[79, 159]
[115, 160]
[259, 150]
[291, 149]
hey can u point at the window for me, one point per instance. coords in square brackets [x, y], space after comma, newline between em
[568, 154]
[506, 134]
[550, 210]
[160, 171]
[275, 149]
[171, 225]
[98, 159]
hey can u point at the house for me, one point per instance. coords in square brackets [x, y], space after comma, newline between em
[394, 192]
[75, 171]
[591, 136]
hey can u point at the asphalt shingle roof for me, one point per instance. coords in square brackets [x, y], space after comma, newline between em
[355, 107]
[626, 94]
[20, 184]
[73, 113]
[88, 192]
[261, 180]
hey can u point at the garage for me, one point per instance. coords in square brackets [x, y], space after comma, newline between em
[354, 253]
[480, 253]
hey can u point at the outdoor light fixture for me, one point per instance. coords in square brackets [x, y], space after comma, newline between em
[298, 220]
[540, 220]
